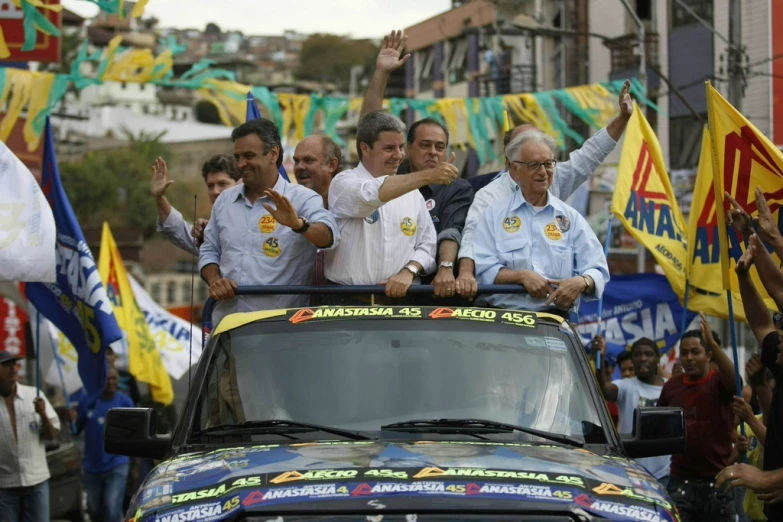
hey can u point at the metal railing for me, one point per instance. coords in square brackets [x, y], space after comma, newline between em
[209, 305]
[515, 79]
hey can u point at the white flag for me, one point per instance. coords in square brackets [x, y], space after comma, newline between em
[172, 335]
[27, 231]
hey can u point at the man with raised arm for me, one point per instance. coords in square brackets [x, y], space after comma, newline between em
[427, 143]
[388, 236]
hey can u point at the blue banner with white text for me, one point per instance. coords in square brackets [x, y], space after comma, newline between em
[77, 303]
[635, 306]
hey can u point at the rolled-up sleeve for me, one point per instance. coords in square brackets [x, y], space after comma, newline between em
[455, 211]
[485, 251]
[312, 208]
[210, 250]
[426, 240]
[581, 164]
[177, 231]
[352, 197]
[590, 258]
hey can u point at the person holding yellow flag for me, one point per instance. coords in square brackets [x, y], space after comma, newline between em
[144, 361]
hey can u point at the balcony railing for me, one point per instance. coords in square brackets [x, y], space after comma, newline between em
[623, 50]
[516, 79]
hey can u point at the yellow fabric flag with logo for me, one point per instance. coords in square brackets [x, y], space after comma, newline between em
[703, 268]
[743, 159]
[144, 361]
[644, 201]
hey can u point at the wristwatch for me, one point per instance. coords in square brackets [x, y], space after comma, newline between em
[446, 264]
[587, 284]
[412, 269]
[305, 226]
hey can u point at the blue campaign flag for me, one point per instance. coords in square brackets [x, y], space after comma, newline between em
[77, 303]
[635, 306]
[253, 114]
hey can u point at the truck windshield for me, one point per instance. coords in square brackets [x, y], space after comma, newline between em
[361, 374]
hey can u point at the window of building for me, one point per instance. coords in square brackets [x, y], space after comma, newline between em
[171, 293]
[425, 59]
[186, 290]
[644, 9]
[457, 61]
[681, 16]
[155, 292]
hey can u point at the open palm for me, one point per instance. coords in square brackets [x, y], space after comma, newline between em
[389, 56]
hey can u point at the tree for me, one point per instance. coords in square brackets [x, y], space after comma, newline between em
[113, 185]
[212, 29]
[329, 58]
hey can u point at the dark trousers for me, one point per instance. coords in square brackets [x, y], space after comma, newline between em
[699, 500]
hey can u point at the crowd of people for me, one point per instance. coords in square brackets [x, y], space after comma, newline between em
[732, 468]
[402, 216]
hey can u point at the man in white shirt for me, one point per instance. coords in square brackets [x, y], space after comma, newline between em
[387, 234]
[640, 391]
[26, 422]
[568, 176]
[219, 172]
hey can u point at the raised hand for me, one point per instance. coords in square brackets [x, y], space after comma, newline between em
[285, 213]
[160, 180]
[625, 102]
[748, 256]
[389, 59]
[768, 229]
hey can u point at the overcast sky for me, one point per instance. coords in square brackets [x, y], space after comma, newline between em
[360, 18]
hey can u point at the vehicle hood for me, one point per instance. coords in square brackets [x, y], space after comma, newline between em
[219, 484]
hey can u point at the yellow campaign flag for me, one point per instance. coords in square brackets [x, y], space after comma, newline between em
[644, 201]
[144, 361]
[742, 160]
[705, 243]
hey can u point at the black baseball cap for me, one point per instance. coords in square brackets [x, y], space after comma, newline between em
[5, 357]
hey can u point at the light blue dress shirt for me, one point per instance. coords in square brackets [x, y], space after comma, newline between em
[251, 248]
[555, 242]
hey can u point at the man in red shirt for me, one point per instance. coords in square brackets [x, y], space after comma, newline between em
[705, 396]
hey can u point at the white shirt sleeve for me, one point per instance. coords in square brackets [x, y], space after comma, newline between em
[581, 164]
[177, 231]
[353, 197]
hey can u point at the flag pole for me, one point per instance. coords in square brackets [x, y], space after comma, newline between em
[37, 353]
[737, 381]
[62, 384]
[607, 242]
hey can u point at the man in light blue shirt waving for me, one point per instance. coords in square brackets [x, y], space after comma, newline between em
[264, 231]
[535, 240]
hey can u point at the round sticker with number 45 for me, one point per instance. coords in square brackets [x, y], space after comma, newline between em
[408, 226]
[272, 247]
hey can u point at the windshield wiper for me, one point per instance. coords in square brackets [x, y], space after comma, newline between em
[480, 425]
[278, 426]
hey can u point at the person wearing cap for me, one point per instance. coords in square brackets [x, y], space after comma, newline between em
[26, 422]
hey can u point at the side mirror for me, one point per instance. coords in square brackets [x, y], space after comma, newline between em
[131, 432]
[656, 432]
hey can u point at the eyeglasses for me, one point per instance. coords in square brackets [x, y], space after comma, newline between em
[533, 166]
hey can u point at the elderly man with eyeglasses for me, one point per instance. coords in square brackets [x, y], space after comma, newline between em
[535, 240]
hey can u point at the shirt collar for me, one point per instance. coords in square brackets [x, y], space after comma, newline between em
[279, 188]
[518, 200]
[362, 170]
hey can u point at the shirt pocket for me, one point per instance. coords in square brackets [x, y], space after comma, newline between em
[515, 252]
[561, 262]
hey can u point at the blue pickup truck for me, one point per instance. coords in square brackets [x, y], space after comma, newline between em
[396, 413]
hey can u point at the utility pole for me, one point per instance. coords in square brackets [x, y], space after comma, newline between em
[642, 50]
[734, 56]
